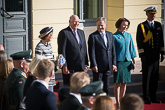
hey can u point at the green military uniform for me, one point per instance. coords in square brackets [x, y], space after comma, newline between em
[92, 89]
[15, 82]
[82, 107]
[14, 88]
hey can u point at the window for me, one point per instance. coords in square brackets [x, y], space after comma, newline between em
[13, 5]
[163, 16]
[88, 11]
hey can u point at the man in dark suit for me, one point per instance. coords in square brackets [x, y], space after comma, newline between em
[16, 80]
[38, 96]
[73, 101]
[150, 46]
[72, 45]
[102, 53]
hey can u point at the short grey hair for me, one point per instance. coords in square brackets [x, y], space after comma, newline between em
[71, 17]
[101, 19]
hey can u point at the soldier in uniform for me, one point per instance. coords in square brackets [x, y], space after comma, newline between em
[89, 93]
[16, 79]
[150, 44]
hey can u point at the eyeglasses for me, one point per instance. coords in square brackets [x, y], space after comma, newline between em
[126, 26]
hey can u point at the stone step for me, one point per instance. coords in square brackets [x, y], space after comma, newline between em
[134, 87]
[137, 88]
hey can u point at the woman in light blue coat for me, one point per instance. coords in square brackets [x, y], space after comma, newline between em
[125, 54]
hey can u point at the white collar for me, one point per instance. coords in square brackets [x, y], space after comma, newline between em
[43, 82]
[149, 22]
[73, 30]
[103, 33]
[77, 96]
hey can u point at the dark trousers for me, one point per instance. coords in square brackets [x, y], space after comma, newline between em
[105, 77]
[66, 77]
[150, 73]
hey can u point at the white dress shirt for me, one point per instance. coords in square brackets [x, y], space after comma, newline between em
[42, 82]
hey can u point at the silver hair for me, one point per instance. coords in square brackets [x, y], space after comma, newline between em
[70, 18]
[101, 19]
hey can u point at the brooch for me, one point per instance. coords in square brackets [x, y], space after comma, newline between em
[119, 37]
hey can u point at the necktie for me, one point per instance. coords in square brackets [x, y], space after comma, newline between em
[104, 38]
[77, 37]
[152, 26]
[75, 33]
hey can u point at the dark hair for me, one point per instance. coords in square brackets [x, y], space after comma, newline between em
[120, 20]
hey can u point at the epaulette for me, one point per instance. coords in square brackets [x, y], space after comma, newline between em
[23, 75]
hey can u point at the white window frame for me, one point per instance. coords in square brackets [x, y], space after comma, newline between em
[88, 22]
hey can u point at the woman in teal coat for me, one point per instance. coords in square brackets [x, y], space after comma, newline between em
[125, 54]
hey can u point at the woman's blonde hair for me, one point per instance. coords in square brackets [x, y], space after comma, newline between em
[6, 67]
[34, 63]
[103, 103]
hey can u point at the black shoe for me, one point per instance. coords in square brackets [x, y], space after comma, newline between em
[156, 101]
[147, 102]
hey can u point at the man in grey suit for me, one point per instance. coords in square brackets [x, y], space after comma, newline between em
[72, 45]
[102, 53]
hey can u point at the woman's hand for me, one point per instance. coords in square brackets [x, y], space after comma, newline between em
[114, 68]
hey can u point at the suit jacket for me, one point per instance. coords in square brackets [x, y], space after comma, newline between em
[38, 97]
[154, 46]
[101, 56]
[70, 103]
[75, 55]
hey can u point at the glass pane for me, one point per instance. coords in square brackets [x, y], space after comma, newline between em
[162, 14]
[76, 7]
[91, 9]
[13, 5]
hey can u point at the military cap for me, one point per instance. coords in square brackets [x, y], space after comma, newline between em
[22, 55]
[45, 31]
[151, 9]
[92, 89]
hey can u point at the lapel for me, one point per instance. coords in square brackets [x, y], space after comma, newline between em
[73, 35]
[146, 25]
[80, 38]
[79, 33]
[108, 39]
[101, 39]
[156, 25]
